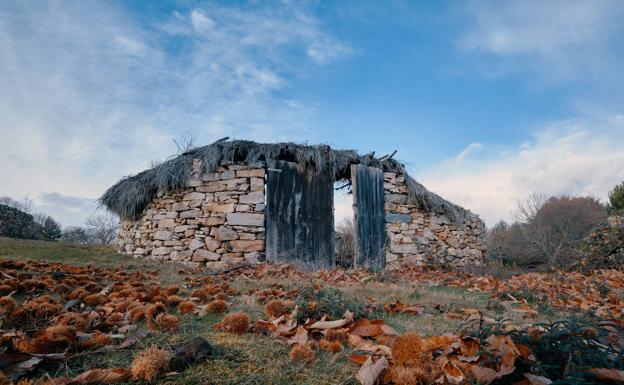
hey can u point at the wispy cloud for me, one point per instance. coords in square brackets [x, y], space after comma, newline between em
[582, 156]
[91, 91]
[562, 37]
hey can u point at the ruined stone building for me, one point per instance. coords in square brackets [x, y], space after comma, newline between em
[237, 200]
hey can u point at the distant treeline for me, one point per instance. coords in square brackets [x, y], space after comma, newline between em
[17, 220]
[16, 223]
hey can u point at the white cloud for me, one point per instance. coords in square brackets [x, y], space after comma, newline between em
[466, 152]
[562, 37]
[91, 93]
[582, 156]
[201, 22]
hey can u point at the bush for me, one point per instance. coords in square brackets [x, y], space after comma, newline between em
[51, 230]
[616, 199]
[76, 235]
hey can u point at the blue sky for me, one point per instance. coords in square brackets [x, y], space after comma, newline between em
[485, 101]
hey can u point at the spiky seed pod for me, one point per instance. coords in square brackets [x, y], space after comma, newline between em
[236, 322]
[148, 364]
[302, 353]
[186, 307]
[216, 306]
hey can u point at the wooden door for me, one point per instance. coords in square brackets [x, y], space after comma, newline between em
[299, 216]
[369, 217]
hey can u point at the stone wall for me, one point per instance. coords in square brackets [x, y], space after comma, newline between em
[218, 219]
[419, 237]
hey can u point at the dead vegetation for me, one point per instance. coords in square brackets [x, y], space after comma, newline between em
[68, 324]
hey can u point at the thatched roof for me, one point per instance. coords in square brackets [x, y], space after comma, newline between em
[131, 195]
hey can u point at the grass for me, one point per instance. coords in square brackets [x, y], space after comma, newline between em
[254, 359]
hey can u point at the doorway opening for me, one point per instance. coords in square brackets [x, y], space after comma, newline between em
[344, 224]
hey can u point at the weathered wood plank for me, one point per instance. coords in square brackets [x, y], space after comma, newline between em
[299, 216]
[369, 217]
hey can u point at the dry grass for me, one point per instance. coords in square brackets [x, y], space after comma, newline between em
[246, 358]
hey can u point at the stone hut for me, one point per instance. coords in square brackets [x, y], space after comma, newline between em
[236, 200]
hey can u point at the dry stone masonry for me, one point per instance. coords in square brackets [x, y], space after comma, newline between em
[420, 237]
[218, 220]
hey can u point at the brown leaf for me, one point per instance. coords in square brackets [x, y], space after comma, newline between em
[300, 337]
[348, 318]
[452, 373]
[484, 375]
[369, 372]
[537, 380]
[612, 375]
[95, 376]
[358, 358]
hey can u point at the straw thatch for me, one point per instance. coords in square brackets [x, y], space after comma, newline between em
[131, 195]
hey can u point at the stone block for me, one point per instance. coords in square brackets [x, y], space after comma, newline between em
[224, 233]
[407, 248]
[180, 206]
[257, 184]
[220, 208]
[257, 173]
[163, 235]
[181, 228]
[193, 196]
[166, 224]
[244, 245]
[212, 244]
[245, 219]
[211, 176]
[165, 215]
[227, 174]
[398, 218]
[201, 255]
[396, 198]
[195, 244]
[252, 198]
[191, 214]
[211, 221]
[242, 208]
[160, 251]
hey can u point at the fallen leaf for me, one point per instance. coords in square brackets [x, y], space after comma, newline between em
[300, 337]
[348, 318]
[95, 376]
[358, 358]
[612, 375]
[370, 371]
[537, 380]
[452, 373]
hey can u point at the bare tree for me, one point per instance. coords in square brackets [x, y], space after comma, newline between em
[547, 229]
[102, 227]
[497, 241]
[25, 205]
[345, 242]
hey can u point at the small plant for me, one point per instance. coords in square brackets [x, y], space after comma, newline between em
[314, 303]
[603, 289]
